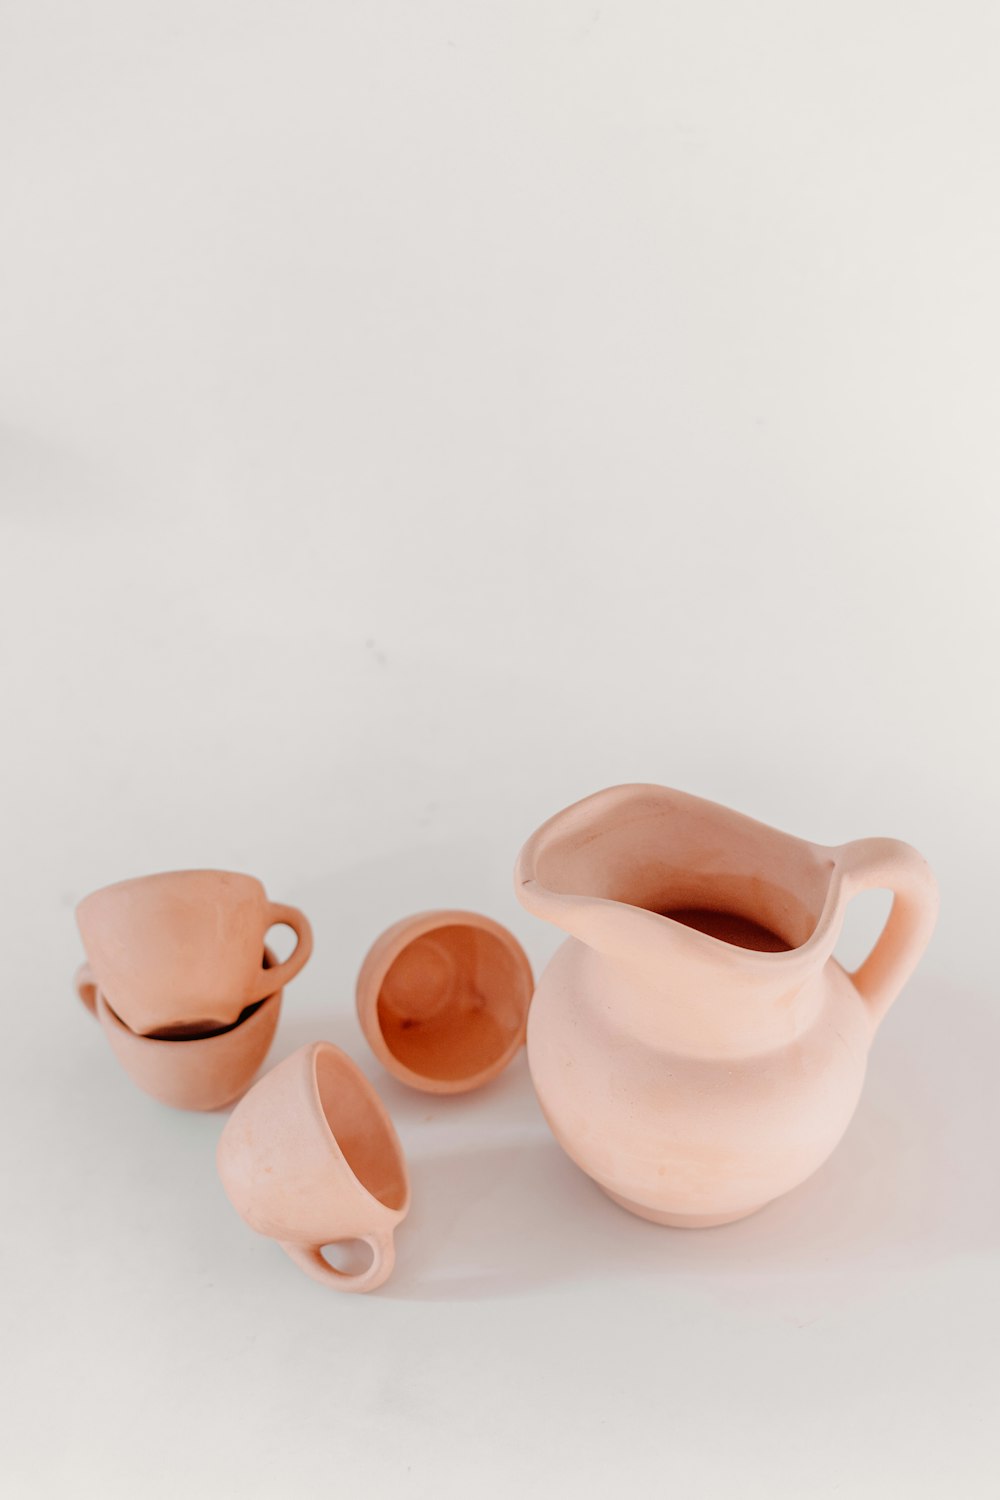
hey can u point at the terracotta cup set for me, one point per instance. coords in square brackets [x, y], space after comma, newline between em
[188, 994]
[696, 1048]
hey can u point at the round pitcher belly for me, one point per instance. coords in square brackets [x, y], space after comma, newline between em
[691, 1141]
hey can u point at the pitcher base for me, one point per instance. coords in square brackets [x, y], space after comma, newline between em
[681, 1221]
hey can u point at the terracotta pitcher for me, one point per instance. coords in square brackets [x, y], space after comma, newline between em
[695, 1047]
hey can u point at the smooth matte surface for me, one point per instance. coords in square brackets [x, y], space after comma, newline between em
[310, 1158]
[205, 1072]
[442, 999]
[413, 418]
[178, 953]
[455, 1040]
[692, 1078]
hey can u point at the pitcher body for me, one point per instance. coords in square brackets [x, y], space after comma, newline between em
[695, 1047]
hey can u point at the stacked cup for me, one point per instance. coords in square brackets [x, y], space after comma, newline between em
[180, 978]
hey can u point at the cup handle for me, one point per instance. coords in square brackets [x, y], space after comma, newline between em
[310, 1258]
[888, 864]
[272, 980]
[86, 987]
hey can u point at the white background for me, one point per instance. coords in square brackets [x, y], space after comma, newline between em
[416, 417]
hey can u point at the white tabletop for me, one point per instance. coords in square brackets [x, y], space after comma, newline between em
[413, 419]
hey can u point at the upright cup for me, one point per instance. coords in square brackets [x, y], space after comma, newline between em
[181, 953]
[200, 1073]
[310, 1157]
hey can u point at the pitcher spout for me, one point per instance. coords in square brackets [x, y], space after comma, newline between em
[728, 915]
[616, 864]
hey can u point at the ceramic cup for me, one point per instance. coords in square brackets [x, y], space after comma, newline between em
[201, 1073]
[309, 1157]
[443, 1000]
[181, 953]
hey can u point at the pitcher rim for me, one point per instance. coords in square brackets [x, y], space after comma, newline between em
[823, 934]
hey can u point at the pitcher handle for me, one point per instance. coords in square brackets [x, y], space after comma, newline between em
[888, 864]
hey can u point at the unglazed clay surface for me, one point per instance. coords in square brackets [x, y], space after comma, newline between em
[443, 1000]
[181, 953]
[695, 1047]
[310, 1157]
[197, 1072]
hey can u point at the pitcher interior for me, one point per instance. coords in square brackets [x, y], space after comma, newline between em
[703, 866]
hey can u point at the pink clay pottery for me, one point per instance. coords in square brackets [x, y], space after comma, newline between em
[443, 999]
[181, 953]
[309, 1157]
[204, 1072]
[695, 1047]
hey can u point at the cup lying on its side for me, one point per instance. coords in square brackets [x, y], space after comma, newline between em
[179, 954]
[443, 1000]
[310, 1157]
[202, 1072]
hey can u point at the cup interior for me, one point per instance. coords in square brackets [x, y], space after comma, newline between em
[453, 1002]
[359, 1126]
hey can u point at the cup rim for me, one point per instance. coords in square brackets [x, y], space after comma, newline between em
[313, 1051]
[258, 1009]
[159, 877]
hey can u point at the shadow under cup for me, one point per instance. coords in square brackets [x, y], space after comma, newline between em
[202, 1072]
